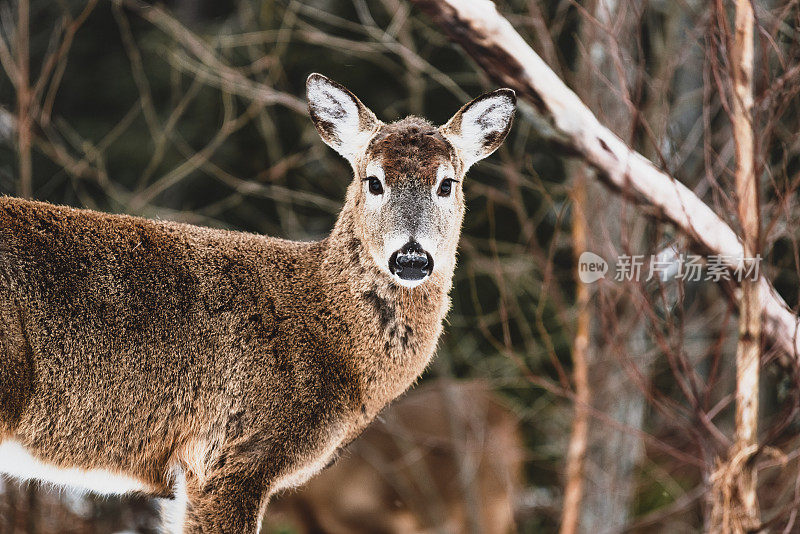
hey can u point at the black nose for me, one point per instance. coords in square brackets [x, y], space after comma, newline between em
[411, 262]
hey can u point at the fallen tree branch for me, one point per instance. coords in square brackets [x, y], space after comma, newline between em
[505, 56]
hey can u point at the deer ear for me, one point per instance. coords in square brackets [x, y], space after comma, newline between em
[343, 122]
[480, 127]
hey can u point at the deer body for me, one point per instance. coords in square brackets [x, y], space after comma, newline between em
[159, 352]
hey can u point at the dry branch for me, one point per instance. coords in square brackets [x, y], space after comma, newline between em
[579, 438]
[748, 355]
[24, 98]
[736, 509]
[211, 67]
[505, 56]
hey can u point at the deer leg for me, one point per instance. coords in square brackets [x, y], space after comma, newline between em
[226, 502]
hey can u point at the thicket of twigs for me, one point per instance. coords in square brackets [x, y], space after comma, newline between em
[194, 111]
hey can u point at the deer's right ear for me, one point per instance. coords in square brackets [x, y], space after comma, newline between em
[343, 122]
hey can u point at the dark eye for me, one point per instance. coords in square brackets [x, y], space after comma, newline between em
[445, 188]
[375, 186]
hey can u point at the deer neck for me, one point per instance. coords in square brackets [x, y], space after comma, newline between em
[400, 326]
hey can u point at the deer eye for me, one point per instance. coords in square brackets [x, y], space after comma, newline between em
[374, 185]
[445, 188]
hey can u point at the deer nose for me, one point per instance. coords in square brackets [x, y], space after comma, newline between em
[411, 262]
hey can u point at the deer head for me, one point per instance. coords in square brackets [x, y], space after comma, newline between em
[406, 198]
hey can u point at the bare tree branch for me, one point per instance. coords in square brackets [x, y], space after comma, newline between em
[226, 76]
[579, 437]
[736, 505]
[748, 355]
[24, 100]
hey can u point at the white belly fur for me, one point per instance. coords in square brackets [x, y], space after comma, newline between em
[300, 475]
[17, 462]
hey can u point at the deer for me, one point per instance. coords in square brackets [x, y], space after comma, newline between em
[214, 368]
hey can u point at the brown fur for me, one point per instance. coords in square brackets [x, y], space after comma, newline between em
[136, 346]
[411, 151]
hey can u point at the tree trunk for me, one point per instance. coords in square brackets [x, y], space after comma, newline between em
[735, 507]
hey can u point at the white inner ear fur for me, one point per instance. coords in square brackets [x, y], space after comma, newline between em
[483, 118]
[337, 107]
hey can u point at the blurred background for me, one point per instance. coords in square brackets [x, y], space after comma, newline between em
[193, 110]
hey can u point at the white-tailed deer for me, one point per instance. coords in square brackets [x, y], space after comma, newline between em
[145, 356]
[445, 458]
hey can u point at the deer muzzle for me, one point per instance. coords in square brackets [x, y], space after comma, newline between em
[411, 262]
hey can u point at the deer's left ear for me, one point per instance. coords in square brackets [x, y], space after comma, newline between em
[480, 127]
[343, 122]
